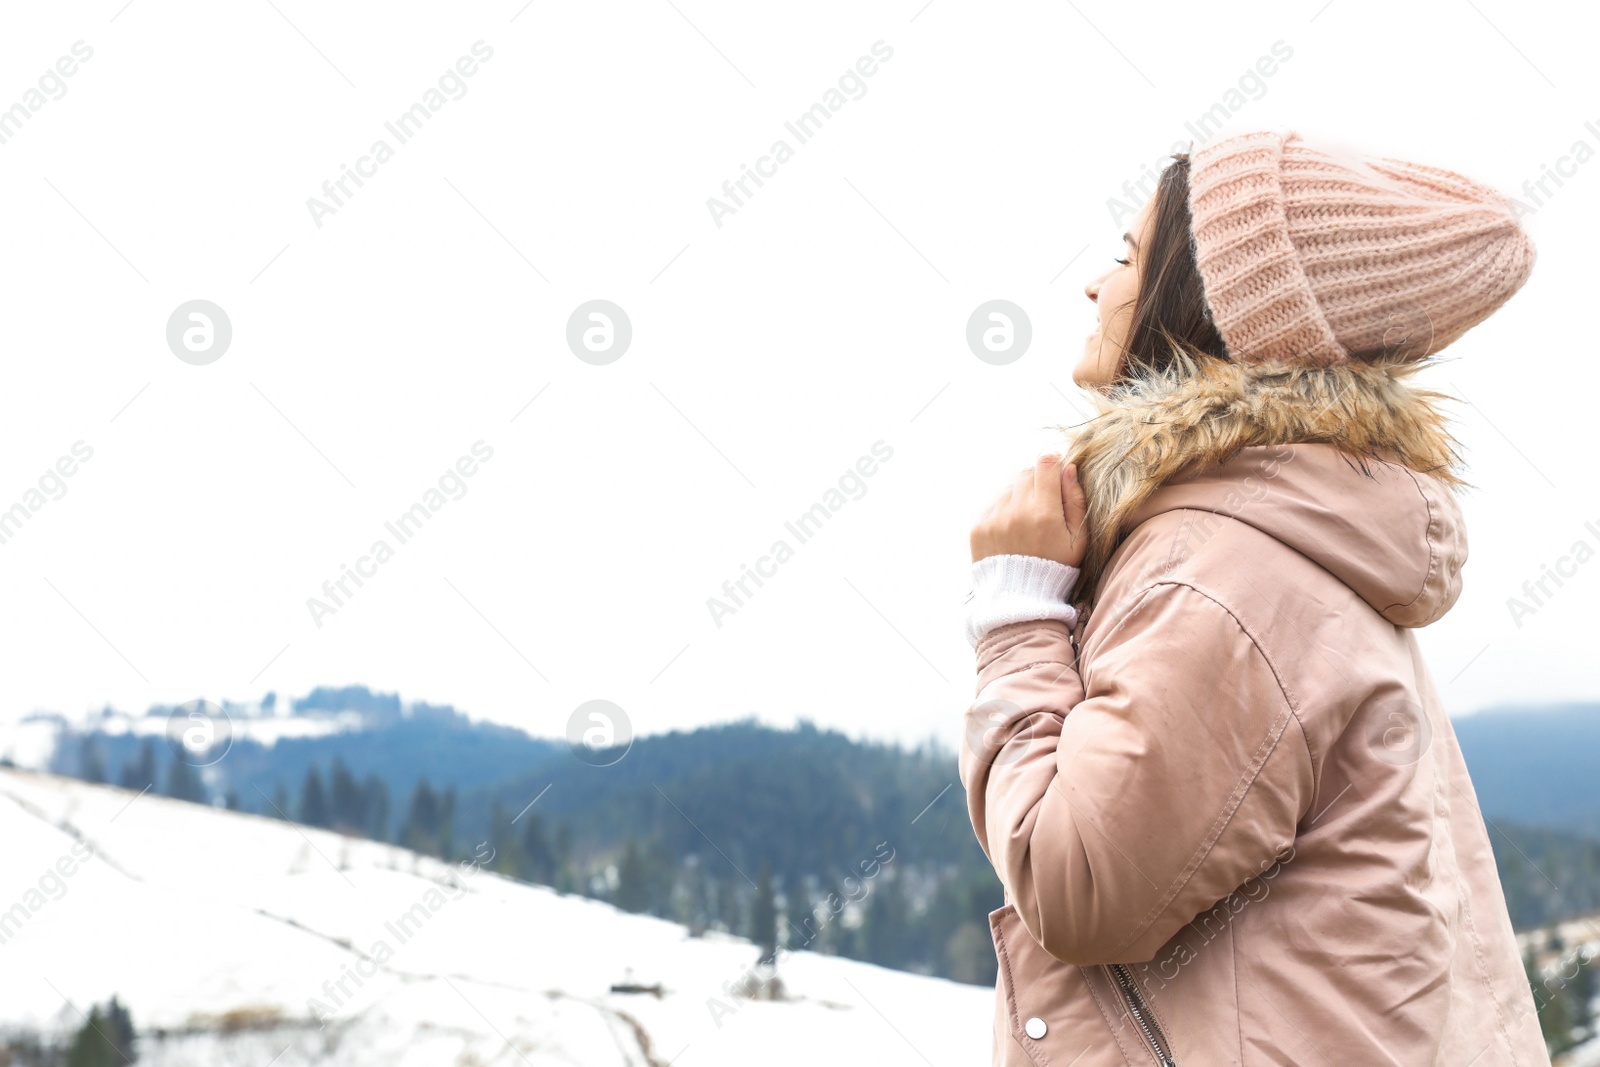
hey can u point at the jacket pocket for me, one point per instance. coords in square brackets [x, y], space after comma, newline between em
[1054, 1014]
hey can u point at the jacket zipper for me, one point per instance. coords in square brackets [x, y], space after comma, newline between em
[1141, 1015]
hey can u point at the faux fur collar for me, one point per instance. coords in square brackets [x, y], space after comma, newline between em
[1203, 412]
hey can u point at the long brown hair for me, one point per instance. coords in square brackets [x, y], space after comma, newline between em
[1170, 311]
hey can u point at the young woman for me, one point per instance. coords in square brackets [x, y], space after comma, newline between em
[1207, 760]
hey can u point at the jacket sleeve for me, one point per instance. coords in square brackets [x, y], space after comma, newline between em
[1117, 806]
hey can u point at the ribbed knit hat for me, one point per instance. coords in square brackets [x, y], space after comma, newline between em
[1310, 256]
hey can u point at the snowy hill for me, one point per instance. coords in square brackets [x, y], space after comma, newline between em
[235, 939]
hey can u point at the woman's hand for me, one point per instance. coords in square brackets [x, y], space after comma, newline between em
[1043, 514]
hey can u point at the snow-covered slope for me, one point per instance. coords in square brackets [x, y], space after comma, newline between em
[219, 930]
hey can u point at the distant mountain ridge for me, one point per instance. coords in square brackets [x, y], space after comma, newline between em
[681, 824]
[1536, 766]
[275, 742]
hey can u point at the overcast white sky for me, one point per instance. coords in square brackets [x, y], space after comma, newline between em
[826, 314]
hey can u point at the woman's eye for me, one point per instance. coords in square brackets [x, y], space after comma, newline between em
[1123, 262]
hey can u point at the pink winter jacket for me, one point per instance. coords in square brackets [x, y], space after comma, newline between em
[1229, 812]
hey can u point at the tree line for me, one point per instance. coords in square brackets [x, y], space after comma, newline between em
[927, 917]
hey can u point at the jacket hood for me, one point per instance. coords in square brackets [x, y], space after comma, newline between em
[1351, 466]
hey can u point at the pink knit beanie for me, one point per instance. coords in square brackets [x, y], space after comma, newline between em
[1310, 256]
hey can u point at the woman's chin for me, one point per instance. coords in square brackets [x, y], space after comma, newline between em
[1086, 372]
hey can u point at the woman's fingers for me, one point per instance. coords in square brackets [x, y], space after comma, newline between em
[1047, 483]
[1041, 514]
[1075, 505]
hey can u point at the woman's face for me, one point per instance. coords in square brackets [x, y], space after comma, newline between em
[1113, 294]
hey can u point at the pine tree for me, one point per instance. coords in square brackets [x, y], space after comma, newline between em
[1583, 992]
[91, 764]
[429, 824]
[90, 1046]
[884, 932]
[119, 1028]
[375, 808]
[106, 1039]
[508, 859]
[183, 783]
[418, 831]
[140, 773]
[1554, 1007]
[633, 890]
[344, 805]
[566, 877]
[539, 863]
[447, 823]
[313, 800]
[764, 915]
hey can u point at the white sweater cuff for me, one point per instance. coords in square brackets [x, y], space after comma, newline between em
[1008, 589]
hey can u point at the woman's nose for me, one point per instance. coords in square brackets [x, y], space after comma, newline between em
[1092, 290]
